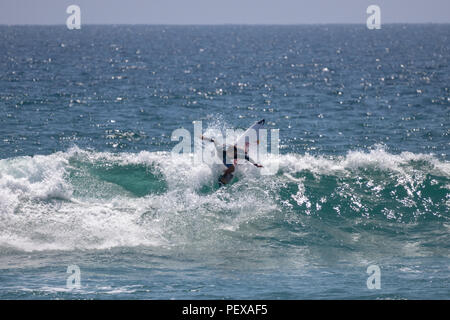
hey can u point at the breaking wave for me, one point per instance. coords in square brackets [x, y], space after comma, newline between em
[83, 199]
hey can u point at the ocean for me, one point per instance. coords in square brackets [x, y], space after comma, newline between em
[88, 182]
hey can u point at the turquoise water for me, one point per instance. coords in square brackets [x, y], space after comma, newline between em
[87, 177]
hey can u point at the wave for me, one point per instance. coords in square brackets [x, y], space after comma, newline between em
[81, 199]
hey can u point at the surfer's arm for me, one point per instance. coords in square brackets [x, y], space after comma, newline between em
[252, 161]
[218, 146]
[207, 139]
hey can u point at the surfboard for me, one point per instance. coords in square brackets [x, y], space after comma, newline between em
[248, 138]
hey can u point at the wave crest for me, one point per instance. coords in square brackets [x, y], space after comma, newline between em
[93, 200]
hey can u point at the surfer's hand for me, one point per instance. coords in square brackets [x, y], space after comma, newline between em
[206, 138]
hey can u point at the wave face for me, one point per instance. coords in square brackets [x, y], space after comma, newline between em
[371, 202]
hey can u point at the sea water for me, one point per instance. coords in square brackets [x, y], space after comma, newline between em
[87, 178]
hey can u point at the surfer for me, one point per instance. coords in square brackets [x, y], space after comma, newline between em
[234, 153]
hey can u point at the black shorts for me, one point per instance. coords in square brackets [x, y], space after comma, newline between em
[224, 158]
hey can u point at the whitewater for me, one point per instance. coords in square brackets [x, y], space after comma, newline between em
[81, 199]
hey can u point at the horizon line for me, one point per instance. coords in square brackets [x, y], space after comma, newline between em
[220, 24]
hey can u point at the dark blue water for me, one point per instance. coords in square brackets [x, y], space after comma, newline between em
[87, 178]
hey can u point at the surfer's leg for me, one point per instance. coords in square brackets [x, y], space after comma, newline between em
[229, 170]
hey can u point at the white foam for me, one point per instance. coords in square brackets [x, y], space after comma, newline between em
[377, 158]
[39, 210]
[31, 178]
